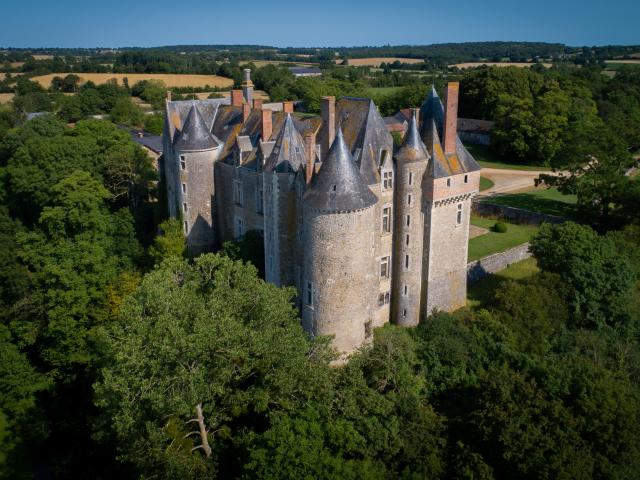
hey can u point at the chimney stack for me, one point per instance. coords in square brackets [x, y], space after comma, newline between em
[287, 107]
[236, 98]
[328, 113]
[246, 111]
[247, 86]
[257, 104]
[451, 117]
[310, 151]
[267, 125]
[168, 95]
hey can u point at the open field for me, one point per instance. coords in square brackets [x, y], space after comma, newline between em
[42, 57]
[632, 62]
[496, 64]
[170, 80]
[481, 292]
[376, 61]
[262, 63]
[541, 200]
[493, 242]
[6, 97]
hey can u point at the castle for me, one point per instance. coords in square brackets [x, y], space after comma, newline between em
[364, 234]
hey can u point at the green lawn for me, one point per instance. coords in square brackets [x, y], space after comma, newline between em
[492, 242]
[485, 184]
[373, 91]
[481, 292]
[487, 158]
[543, 200]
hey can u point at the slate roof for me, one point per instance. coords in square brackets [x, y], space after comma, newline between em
[339, 186]
[431, 129]
[195, 134]
[288, 153]
[412, 148]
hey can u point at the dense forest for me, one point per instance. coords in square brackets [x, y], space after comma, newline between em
[112, 341]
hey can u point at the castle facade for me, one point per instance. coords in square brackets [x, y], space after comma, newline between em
[366, 234]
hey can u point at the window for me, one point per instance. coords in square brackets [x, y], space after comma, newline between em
[381, 299]
[409, 199]
[239, 228]
[184, 207]
[448, 182]
[309, 294]
[407, 239]
[183, 162]
[186, 227]
[387, 297]
[367, 329]
[386, 220]
[237, 192]
[459, 218]
[406, 261]
[259, 201]
[410, 178]
[387, 180]
[404, 312]
[466, 179]
[384, 267]
[408, 220]
[184, 188]
[405, 290]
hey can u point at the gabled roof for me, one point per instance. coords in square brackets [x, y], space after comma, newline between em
[412, 148]
[288, 153]
[442, 165]
[195, 134]
[338, 186]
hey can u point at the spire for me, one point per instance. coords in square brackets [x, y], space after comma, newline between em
[288, 154]
[412, 149]
[194, 135]
[339, 186]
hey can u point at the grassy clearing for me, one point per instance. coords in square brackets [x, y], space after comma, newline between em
[6, 97]
[485, 183]
[376, 61]
[487, 158]
[541, 200]
[481, 293]
[493, 242]
[498, 64]
[170, 80]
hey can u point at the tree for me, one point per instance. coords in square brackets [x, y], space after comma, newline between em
[169, 243]
[126, 112]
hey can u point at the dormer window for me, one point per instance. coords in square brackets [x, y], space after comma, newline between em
[448, 182]
[387, 180]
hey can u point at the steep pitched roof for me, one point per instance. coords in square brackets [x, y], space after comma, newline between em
[288, 152]
[338, 186]
[375, 136]
[412, 148]
[195, 134]
[442, 164]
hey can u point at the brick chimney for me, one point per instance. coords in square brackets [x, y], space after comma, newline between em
[267, 125]
[168, 95]
[246, 111]
[236, 98]
[287, 107]
[257, 104]
[451, 117]
[310, 152]
[328, 113]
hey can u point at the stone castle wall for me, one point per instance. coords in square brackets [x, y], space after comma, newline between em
[479, 269]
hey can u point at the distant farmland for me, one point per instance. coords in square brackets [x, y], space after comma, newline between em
[170, 80]
[497, 64]
[377, 61]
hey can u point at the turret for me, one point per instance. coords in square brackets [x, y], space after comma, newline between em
[411, 162]
[195, 150]
[339, 252]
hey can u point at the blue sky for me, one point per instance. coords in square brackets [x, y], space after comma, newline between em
[118, 23]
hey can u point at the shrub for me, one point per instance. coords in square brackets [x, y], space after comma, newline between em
[500, 227]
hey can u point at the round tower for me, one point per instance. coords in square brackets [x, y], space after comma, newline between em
[411, 163]
[195, 150]
[339, 252]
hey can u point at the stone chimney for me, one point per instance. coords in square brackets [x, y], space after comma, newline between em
[257, 104]
[267, 125]
[247, 86]
[246, 111]
[451, 117]
[168, 95]
[328, 113]
[236, 98]
[287, 107]
[310, 152]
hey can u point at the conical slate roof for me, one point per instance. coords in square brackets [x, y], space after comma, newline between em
[194, 135]
[412, 148]
[288, 154]
[339, 186]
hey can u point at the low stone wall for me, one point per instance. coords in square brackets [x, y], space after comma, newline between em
[479, 269]
[516, 215]
[475, 138]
